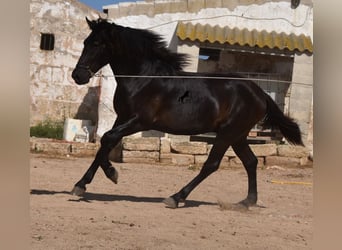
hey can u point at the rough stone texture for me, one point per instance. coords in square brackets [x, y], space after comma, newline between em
[162, 7]
[166, 158]
[293, 151]
[62, 148]
[196, 148]
[143, 143]
[182, 159]
[165, 145]
[235, 162]
[259, 150]
[54, 95]
[213, 3]
[282, 161]
[162, 154]
[195, 5]
[264, 149]
[140, 156]
[155, 7]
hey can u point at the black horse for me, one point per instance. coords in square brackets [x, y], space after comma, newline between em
[174, 101]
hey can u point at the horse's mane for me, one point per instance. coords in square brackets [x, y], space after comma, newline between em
[146, 44]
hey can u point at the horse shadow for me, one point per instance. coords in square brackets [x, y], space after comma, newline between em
[89, 197]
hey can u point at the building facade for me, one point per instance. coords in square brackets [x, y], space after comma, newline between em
[58, 29]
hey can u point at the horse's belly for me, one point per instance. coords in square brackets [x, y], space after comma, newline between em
[186, 121]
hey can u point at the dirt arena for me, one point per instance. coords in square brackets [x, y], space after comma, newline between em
[131, 215]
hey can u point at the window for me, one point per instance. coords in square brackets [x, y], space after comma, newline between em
[47, 41]
[209, 54]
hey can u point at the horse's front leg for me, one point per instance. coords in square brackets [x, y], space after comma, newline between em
[108, 141]
[80, 186]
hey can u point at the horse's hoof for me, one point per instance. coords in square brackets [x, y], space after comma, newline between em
[170, 202]
[77, 191]
[115, 177]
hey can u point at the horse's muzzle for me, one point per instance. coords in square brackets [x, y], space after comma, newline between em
[81, 75]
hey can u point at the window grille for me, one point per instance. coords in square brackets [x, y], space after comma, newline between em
[47, 41]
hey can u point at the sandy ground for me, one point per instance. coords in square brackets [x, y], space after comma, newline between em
[131, 215]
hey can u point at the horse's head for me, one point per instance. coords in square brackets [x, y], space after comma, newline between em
[95, 53]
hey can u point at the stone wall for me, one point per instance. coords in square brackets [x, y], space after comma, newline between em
[155, 7]
[54, 95]
[185, 153]
[156, 150]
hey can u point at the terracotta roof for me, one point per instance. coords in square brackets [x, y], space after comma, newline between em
[244, 37]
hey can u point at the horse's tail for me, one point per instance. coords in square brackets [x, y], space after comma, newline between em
[275, 118]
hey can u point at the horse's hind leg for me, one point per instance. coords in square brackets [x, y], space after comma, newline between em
[211, 165]
[250, 162]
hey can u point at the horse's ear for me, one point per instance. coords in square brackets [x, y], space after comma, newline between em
[90, 23]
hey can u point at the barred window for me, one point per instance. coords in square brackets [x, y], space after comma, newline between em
[47, 41]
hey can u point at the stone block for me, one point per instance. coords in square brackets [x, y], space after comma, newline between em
[195, 148]
[213, 3]
[140, 156]
[264, 149]
[165, 158]
[125, 9]
[200, 159]
[182, 159]
[282, 161]
[224, 162]
[114, 12]
[178, 6]
[195, 5]
[293, 151]
[144, 8]
[143, 143]
[83, 149]
[235, 162]
[230, 4]
[165, 145]
[161, 7]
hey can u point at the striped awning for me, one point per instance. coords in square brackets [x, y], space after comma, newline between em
[244, 37]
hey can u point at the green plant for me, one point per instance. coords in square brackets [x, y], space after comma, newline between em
[48, 129]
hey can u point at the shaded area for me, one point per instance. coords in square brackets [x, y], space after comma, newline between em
[88, 110]
[88, 197]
